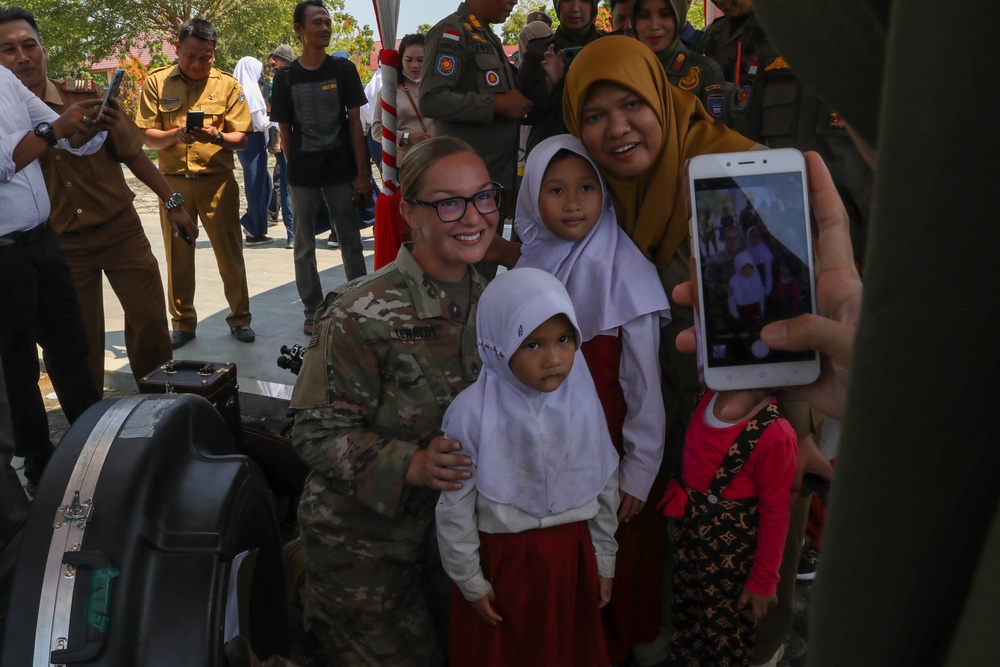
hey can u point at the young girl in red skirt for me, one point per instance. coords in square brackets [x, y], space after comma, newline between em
[567, 223]
[529, 539]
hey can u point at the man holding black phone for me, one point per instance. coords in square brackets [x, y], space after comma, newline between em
[99, 230]
[196, 156]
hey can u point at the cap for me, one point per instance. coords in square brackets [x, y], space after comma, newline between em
[284, 52]
[539, 16]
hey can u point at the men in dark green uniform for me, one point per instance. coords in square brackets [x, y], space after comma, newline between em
[468, 88]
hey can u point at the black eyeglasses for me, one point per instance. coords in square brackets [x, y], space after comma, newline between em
[451, 209]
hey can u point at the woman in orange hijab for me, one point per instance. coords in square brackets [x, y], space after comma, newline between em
[640, 130]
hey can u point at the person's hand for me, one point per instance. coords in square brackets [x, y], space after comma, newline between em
[838, 297]
[180, 220]
[77, 119]
[485, 610]
[183, 136]
[604, 588]
[435, 467]
[628, 507]
[419, 137]
[554, 67]
[502, 252]
[512, 105]
[362, 189]
[205, 134]
[110, 116]
[759, 604]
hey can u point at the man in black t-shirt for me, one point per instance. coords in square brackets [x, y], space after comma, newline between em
[316, 102]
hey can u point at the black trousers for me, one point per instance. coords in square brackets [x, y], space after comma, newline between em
[38, 306]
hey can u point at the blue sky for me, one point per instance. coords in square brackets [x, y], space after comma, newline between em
[411, 13]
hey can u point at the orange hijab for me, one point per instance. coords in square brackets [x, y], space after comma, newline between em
[650, 206]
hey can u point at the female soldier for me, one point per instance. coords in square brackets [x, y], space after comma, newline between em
[390, 352]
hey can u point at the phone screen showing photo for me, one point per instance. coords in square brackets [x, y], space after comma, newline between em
[754, 246]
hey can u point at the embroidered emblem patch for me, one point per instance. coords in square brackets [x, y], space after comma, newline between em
[716, 104]
[678, 62]
[745, 95]
[779, 63]
[836, 121]
[452, 35]
[492, 78]
[690, 79]
[241, 97]
[446, 65]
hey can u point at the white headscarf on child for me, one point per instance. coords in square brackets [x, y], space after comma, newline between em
[542, 452]
[746, 289]
[606, 275]
[247, 72]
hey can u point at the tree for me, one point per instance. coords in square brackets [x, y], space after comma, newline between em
[87, 30]
[424, 28]
[519, 18]
[696, 15]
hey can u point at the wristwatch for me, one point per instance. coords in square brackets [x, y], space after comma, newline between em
[45, 131]
[218, 139]
[405, 139]
[174, 201]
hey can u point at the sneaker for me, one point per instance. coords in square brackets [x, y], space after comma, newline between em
[332, 243]
[289, 244]
[243, 333]
[307, 327]
[258, 240]
[807, 564]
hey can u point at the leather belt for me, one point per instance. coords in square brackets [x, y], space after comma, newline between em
[27, 236]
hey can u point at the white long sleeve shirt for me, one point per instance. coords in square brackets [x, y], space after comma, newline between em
[23, 197]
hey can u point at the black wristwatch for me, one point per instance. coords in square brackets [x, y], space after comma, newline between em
[218, 139]
[174, 201]
[45, 131]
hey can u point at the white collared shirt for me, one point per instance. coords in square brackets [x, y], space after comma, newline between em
[23, 197]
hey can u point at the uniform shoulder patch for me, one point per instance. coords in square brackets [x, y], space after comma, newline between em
[79, 86]
[779, 63]
[241, 96]
[678, 62]
[446, 65]
[716, 104]
[452, 35]
[691, 79]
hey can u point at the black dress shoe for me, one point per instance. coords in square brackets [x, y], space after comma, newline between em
[180, 338]
[243, 333]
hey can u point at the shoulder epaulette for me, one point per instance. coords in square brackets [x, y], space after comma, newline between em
[160, 69]
[78, 86]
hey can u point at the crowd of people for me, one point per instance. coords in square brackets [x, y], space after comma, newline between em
[524, 468]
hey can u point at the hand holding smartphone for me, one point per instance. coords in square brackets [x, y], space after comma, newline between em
[112, 92]
[752, 246]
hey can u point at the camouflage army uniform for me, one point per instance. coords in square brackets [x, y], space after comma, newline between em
[389, 354]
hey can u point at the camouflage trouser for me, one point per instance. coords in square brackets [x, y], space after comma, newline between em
[367, 612]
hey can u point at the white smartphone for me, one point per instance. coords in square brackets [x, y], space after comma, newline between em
[752, 245]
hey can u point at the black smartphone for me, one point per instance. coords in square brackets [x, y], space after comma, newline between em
[571, 52]
[113, 89]
[816, 483]
[184, 235]
[195, 119]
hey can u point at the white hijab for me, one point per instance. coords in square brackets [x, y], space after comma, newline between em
[247, 72]
[606, 275]
[746, 289]
[542, 452]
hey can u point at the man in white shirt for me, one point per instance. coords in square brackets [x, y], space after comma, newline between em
[38, 304]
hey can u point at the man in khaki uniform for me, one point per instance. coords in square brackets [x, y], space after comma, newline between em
[198, 164]
[99, 229]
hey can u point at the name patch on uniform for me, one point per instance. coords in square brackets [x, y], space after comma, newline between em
[492, 78]
[446, 65]
[690, 79]
[452, 35]
[171, 99]
[716, 104]
[416, 333]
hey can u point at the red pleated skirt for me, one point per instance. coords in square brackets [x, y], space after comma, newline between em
[633, 616]
[546, 588]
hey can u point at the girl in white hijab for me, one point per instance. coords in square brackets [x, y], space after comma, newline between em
[529, 539]
[257, 186]
[566, 220]
[746, 293]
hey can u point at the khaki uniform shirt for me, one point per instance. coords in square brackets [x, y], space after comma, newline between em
[87, 190]
[388, 356]
[464, 69]
[166, 98]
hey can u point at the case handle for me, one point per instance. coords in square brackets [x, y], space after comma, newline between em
[96, 603]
